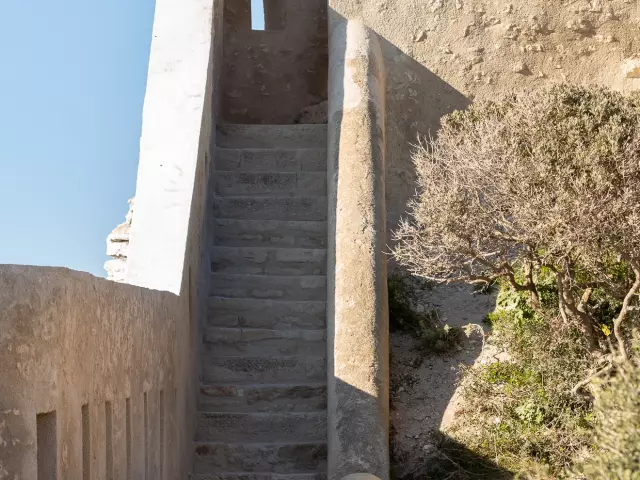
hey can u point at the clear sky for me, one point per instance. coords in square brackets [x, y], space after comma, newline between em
[71, 94]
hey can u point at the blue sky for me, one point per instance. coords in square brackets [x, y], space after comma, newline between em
[71, 94]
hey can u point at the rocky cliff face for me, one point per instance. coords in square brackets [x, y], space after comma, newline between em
[118, 247]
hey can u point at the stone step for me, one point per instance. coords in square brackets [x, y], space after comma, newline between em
[271, 208]
[223, 341]
[286, 397]
[270, 261]
[269, 233]
[283, 458]
[270, 183]
[272, 160]
[272, 314]
[260, 476]
[310, 287]
[262, 369]
[271, 136]
[261, 427]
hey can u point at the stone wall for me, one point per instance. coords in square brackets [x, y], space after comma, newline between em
[176, 158]
[92, 378]
[271, 76]
[99, 379]
[442, 54]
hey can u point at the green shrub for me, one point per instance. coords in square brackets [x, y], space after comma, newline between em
[616, 453]
[540, 193]
[521, 411]
[543, 180]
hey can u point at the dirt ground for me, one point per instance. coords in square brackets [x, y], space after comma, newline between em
[423, 385]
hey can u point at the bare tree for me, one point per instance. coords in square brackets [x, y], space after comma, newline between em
[543, 180]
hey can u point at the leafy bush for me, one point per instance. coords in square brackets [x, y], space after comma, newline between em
[521, 411]
[617, 440]
[547, 180]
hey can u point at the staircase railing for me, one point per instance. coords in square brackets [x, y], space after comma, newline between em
[358, 383]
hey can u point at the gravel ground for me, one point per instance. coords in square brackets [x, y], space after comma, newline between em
[423, 385]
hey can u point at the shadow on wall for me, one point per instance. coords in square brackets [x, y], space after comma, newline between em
[359, 342]
[270, 76]
[416, 100]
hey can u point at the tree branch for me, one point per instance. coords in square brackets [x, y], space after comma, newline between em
[626, 304]
[565, 301]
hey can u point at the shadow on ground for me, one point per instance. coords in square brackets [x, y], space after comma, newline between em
[453, 461]
[424, 395]
[423, 387]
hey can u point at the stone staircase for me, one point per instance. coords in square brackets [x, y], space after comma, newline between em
[262, 400]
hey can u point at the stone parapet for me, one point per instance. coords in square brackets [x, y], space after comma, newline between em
[93, 376]
[357, 305]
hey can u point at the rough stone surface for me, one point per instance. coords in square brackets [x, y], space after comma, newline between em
[272, 208]
[559, 41]
[270, 76]
[266, 233]
[261, 427]
[273, 137]
[118, 247]
[272, 261]
[277, 160]
[360, 476]
[244, 369]
[70, 343]
[268, 457]
[357, 306]
[259, 313]
[314, 113]
[263, 398]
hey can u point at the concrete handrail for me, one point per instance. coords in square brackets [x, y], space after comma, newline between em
[357, 309]
[360, 476]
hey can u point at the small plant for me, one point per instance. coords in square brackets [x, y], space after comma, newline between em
[441, 339]
[521, 411]
[426, 326]
[484, 288]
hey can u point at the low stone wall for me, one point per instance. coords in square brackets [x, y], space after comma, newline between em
[357, 305]
[92, 377]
